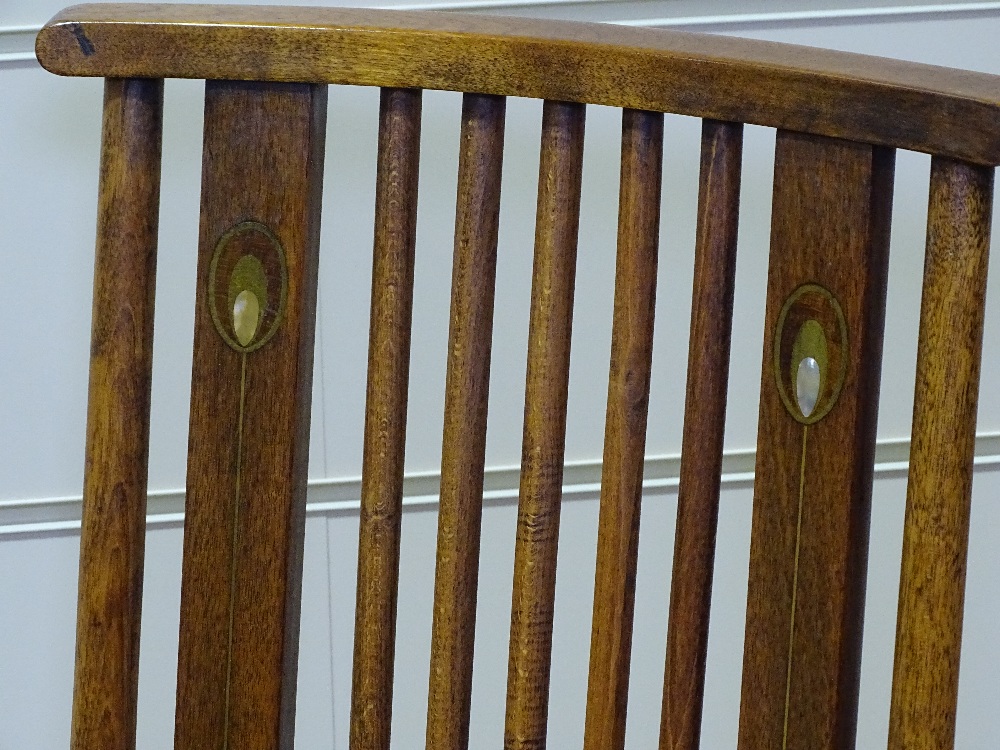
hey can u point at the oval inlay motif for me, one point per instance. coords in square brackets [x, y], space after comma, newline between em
[247, 286]
[810, 353]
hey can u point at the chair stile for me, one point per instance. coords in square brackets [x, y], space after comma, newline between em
[113, 531]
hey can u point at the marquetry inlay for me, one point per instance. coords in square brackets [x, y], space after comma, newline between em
[247, 286]
[810, 353]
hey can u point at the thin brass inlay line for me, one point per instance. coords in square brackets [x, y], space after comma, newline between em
[795, 587]
[235, 540]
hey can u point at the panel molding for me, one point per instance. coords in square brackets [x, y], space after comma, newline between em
[340, 495]
[17, 43]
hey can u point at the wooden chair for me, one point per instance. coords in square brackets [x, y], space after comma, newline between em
[839, 118]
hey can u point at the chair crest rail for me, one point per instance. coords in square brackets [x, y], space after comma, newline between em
[874, 100]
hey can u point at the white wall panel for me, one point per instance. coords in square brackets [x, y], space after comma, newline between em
[48, 168]
[161, 600]
[314, 701]
[38, 625]
[979, 683]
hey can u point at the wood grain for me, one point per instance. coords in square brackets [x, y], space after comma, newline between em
[264, 143]
[464, 446]
[249, 432]
[543, 446]
[704, 428]
[113, 530]
[625, 429]
[935, 539]
[875, 100]
[385, 418]
[812, 493]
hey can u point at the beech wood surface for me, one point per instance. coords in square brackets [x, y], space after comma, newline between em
[249, 431]
[805, 599]
[543, 447]
[936, 530]
[113, 530]
[385, 418]
[464, 446]
[625, 429]
[704, 428]
[875, 100]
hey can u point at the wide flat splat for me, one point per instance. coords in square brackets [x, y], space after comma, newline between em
[249, 434]
[812, 493]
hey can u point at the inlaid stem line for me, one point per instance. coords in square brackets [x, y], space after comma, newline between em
[795, 587]
[232, 561]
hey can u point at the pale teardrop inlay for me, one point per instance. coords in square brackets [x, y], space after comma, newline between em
[246, 316]
[807, 382]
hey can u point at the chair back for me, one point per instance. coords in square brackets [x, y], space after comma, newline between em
[839, 119]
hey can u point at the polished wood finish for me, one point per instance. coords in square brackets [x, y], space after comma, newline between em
[839, 117]
[249, 432]
[704, 428]
[113, 531]
[560, 174]
[625, 429]
[812, 493]
[874, 100]
[935, 540]
[385, 418]
[466, 395]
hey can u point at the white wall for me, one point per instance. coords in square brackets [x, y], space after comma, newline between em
[49, 129]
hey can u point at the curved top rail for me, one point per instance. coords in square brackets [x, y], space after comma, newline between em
[876, 100]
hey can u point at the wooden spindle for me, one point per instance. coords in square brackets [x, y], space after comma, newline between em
[385, 418]
[556, 227]
[251, 390]
[113, 530]
[935, 539]
[625, 429]
[464, 448]
[704, 428]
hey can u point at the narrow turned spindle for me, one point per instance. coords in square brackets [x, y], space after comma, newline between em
[556, 229]
[385, 417]
[704, 427]
[625, 429]
[113, 530]
[464, 445]
[935, 538]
